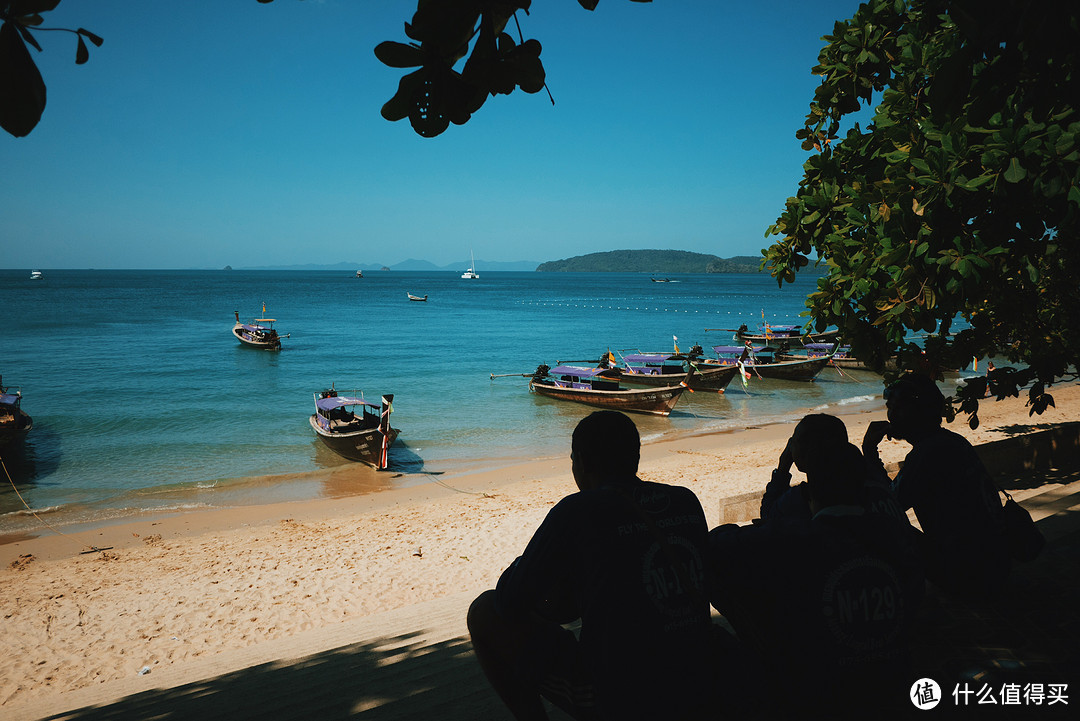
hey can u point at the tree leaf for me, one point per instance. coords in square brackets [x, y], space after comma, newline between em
[22, 90]
[1015, 172]
[81, 53]
[399, 55]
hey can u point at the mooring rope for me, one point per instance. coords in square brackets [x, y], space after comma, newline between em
[93, 549]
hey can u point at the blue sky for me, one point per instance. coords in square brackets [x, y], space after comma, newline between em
[206, 133]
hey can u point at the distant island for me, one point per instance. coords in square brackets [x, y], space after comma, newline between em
[653, 261]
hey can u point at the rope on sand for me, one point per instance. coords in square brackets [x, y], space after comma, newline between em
[92, 549]
[446, 485]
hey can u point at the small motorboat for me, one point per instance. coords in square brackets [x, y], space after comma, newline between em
[359, 274]
[36, 275]
[259, 333]
[354, 428]
[15, 423]
[416, 297]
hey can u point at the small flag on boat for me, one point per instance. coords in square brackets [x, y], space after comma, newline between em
[685, 385]
[744, 375]
[675, 338]
[264, 308]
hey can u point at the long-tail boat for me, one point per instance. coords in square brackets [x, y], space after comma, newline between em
[666, 369]
[761, 361]
[15, 423]
[354, 428]
[600, 387]
[259, 333]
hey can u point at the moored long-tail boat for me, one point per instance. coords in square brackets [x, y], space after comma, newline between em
[600, 387]
[15, 423]
[666, 369]
[259, 333]
[761, 361]
[354, 428]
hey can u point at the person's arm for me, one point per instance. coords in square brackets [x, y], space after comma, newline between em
[876, 432]
[778, 485]
[538, 582]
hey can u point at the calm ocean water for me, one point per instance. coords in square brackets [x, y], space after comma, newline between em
[142, 399]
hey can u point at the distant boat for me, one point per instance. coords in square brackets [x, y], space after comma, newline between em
[359, 274]
[600, 387]
[354, 428]
[259, 333]
[471, 272]
[416, 297]
[15, 423]
[36, 275]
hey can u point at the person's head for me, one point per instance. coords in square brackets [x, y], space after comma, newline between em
[814, 440]
[840, 481]
[605, 448]
[915, 406]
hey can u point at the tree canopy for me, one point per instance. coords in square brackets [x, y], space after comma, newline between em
[954, 212]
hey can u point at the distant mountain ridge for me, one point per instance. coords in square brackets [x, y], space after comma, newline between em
[410, 264]
[653, 261]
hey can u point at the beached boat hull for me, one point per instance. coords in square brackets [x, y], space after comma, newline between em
[705, 379]
[653, 401]
[364, 445]
[264, 343]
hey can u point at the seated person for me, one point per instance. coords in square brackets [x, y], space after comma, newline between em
[825, 603]
[624, 556]
[962, 544]
[813, 445]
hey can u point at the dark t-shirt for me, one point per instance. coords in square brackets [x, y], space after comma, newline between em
[827, 602]
[644, 633]
[959, 511]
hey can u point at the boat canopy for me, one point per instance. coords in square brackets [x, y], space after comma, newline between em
[329, 404]
[266, 320]
[823, 346]
[735, 349]
[9, 399]
[578, 371]
[785, 329]
[648, 357]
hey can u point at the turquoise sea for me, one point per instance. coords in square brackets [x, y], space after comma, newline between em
[143, 400]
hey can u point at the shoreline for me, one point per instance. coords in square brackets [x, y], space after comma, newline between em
[168, 590]
[337, 483]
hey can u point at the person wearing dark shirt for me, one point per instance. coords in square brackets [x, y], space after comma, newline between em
[824, 603]
[962, 544]
[626, 558]
[813, 446]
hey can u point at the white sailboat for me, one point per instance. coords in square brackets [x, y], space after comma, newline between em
[471, 273]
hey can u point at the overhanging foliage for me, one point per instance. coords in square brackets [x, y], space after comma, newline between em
[961, 198]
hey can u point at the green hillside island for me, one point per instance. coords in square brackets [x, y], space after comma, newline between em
[652, 261]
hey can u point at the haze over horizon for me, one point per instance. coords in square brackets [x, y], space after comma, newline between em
[255, 139]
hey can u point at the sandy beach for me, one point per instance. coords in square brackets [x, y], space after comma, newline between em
[167, 591]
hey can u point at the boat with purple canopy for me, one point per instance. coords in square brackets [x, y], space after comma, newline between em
[259, 333]
[666, 369]
[354, 428]
[762, 361]
[600, 387]
[15, 423]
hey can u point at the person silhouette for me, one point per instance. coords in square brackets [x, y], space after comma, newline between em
[623, 556]
[962, 544]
